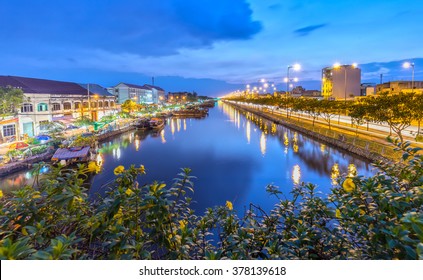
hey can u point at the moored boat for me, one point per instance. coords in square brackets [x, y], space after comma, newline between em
[143, 124]
[156, 123]
[198, 113]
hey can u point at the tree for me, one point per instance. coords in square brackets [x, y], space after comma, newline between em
[328, 110]
[129, 106]
[312, 108]
[396, 110]
[10, 100]
[418, 110]
[358, 114]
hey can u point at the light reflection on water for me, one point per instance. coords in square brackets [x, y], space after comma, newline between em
[233, 155]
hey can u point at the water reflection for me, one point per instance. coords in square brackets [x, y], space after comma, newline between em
[162, 133]
[226, 166]
[263, 143]
[248, 132]
[296, 174]
[315, 155]
[335, 174]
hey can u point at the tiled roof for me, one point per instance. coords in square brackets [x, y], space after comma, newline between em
[33, 85]
[135, 86]
[155, 87]
[96, 89]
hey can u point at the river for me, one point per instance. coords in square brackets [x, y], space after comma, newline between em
[233, 156]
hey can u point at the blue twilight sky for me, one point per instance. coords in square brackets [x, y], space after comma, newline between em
[208, 46]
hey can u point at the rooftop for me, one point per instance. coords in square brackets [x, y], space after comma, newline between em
[34, 85]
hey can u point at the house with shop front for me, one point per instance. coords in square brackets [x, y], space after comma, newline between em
[49, 100]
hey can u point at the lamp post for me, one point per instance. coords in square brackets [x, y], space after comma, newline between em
[89, 101]
[296, 67]
[408, 65]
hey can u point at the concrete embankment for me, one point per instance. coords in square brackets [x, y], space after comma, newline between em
[25, 164]
[364, 153]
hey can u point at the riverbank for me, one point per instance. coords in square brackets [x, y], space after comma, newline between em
[26, 163]
[363, 147]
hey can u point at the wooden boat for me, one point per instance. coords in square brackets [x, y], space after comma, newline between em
[197, 113]
[143, 124]
[156, 123]
[207, 104]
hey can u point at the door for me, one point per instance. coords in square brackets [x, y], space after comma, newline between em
[28, 129]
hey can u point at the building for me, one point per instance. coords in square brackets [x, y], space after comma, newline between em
[400, 86]
[158, 93]
[299, 91]
[368, 89]
[341, 82]
[49, 101]
[177, 97]
[145, 94]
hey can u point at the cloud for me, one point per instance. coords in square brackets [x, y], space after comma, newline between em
[147, 28]
[308, 29]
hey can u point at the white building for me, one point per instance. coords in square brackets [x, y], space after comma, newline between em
[145, 94]
[341, 82]
[49, 101]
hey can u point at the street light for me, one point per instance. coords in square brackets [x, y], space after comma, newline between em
[408, 65]
[296, 67]
[89, 103]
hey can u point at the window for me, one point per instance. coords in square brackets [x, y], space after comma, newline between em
[100, 104]
[106, 104]
[56, 106]
[77, 105]
[42, 107]
[93, 105]
[44, 125]
[85, 105]
[112, 104]
[9, 130]
[27, 107]
[67, 106]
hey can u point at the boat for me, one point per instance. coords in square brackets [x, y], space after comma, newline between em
[156, 123]
[191, 112]
[143, 124]
[207, 104]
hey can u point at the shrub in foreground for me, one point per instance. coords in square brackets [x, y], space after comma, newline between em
[364, 218]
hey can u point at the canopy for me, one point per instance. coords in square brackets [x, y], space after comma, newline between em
[18, 145]
[70, 153]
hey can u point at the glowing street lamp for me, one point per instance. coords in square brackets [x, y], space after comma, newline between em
[296, 67]
[408, 65]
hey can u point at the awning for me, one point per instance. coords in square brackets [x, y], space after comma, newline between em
[68, 119]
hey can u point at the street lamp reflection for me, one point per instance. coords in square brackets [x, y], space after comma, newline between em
[296, 174]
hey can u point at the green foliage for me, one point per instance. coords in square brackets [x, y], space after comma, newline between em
[82, 141]
[129, 106]
[107, 119]
[10, 100]
[83, 121]
[367, 218]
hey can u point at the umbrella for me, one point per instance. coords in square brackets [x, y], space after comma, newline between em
[43, 137]
[18, 145]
